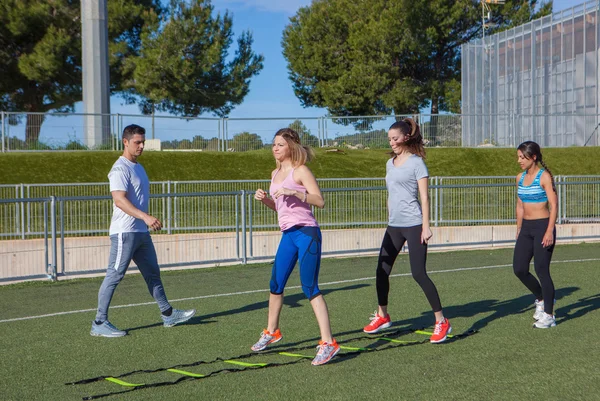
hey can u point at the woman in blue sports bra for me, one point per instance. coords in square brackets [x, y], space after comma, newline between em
[536, 233]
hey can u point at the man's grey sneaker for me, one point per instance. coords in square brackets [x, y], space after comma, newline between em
[178, 316]
[106, 329]
[265, 339]
[539, 310]
[545, 322]
[326, 351]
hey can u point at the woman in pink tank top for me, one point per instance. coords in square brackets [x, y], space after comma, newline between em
[294, 190]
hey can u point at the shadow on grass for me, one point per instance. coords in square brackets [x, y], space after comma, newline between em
[495, 309]
[292, 301]
[499, 309]
[578, 309]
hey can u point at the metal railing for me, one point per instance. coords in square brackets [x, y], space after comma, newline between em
[454, 201]
[66, 235]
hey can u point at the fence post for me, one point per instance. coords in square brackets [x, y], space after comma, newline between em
[226, 134]
[561, 207]
[219, 123]
[237, 228]
[53, 234]
[441, 200]
[119, 131]
[62, 236]
[46, 258]
[169, 214]
[436, 205]
[319, 131]
[250, 223]
[244, 256]
[22, 211]
[2, 114]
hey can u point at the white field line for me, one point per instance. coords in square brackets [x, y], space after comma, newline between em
[267, 290]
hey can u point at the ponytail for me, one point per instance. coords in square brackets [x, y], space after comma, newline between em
[549, 172]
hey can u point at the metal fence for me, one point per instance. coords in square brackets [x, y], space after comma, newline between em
[537, 81]
[208, 222]
[64, 132]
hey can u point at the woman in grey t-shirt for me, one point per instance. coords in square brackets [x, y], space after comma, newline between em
[406, 179]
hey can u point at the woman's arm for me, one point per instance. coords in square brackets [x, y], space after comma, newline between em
[423, 185]
[261, 195]
[546, 183]
[520, 210]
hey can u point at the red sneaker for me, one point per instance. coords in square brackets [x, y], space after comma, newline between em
[441, 331]
[377, 323]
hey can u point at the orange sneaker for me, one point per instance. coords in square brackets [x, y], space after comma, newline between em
[441, 331]
[378, 322]
[266, 339]
[325, 351]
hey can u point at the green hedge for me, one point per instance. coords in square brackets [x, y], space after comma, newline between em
[90, 166]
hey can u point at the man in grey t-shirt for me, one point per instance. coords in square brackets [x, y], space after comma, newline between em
[129, 236]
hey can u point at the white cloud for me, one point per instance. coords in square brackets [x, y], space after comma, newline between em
[282, 6]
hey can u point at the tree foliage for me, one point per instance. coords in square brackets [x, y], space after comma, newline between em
[40, 52]
[182, 66]
[374, 57]
[170, 58]
[245, 141]
[306, 138]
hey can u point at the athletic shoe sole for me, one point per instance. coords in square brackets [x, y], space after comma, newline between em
[92, 333]
[377, 330]
[443, 339]
[543, 327]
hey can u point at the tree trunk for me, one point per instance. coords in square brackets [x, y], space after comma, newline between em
[32, 129]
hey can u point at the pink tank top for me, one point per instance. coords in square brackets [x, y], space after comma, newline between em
[291, 211]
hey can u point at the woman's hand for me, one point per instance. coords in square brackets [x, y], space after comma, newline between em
[426, 235]
[284, 191]
[548, 239]
[260, 195]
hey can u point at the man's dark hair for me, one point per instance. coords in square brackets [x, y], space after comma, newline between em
[131, 130]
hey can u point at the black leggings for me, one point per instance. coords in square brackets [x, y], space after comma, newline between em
[393, 241]
[529, 244]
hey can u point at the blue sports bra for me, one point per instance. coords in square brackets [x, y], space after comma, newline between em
[533, 193]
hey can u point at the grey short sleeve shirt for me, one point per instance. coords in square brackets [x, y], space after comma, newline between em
[403, 191]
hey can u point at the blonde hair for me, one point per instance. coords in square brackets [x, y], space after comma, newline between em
[298, 153]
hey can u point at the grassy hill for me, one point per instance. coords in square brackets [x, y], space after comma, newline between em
[88, 166]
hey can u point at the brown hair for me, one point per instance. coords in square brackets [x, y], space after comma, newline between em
[131, 130]
[414, 143]
[298, 153]
[532, 151]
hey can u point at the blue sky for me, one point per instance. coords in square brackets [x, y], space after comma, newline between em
[271, 93]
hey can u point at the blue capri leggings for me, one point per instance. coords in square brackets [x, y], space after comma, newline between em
[298, 243]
